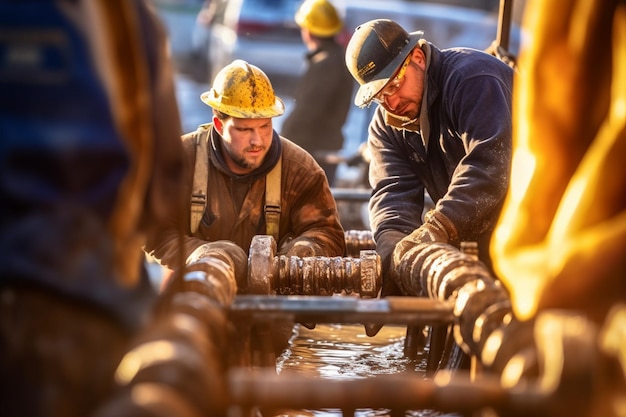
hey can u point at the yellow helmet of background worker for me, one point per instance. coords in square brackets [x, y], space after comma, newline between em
[319, 17]
[244, 91]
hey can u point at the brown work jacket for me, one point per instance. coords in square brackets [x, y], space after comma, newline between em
[308, 209]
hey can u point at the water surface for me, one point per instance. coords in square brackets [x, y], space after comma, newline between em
[344, 351]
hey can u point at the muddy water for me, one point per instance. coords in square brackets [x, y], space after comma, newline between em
[338, 351]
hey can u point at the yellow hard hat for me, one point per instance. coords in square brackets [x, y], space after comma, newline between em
[319, 17]
[242, 90]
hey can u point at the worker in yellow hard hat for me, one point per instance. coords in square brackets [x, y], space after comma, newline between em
[246, 180]
[323, 94]
[319, 17]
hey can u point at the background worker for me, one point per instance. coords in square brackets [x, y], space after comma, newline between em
[323, 94]
[443, 125]
[246, 162]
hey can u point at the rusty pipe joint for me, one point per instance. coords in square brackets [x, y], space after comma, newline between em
[320, 275]
[358, 240]
[438, 270]
[480, 309]
[441, 271]
[212, 278]
[315, 275]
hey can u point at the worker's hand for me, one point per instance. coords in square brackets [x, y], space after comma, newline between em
[300, 247]
[436, 228]
[426, 233]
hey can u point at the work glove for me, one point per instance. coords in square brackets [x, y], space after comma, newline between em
[385, 245]
[436, 228]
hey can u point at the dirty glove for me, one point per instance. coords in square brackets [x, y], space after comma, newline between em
[436, 228]
[300, 247]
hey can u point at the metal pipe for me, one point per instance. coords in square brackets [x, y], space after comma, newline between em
[351, 194]
[344, 309]
[442, 272]
[504, 24]
[314, 275]
[444, 392]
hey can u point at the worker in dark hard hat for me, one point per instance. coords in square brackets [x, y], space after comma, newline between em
[443, 125]
[246, 180]
[323, 94]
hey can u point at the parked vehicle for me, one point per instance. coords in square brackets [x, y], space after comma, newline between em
[264, 33]
[179, 17]
[261, 32]
[446, 24]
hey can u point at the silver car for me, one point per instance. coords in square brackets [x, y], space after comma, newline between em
[261, 32]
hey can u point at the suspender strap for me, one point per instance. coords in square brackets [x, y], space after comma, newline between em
[200, 181]
[199, 191]
[272, 200]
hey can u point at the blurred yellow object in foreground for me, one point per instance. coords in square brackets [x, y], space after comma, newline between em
[561, 239]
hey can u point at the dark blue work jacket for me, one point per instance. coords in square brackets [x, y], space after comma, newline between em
[460, 152]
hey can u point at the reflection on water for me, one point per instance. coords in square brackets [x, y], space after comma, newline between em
[340, 351]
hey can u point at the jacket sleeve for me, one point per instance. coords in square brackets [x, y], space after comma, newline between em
[397, 198]
[311, 215]
[480, 180]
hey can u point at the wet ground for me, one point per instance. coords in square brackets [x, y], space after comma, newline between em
[340, 351]
[344, 351]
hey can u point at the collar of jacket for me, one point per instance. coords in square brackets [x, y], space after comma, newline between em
[421, 124]
[217, 158]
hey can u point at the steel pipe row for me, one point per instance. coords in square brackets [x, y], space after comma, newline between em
[317, 275]
[443, 272]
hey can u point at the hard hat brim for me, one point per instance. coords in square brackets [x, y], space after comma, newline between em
[366, 92]
[211, 99]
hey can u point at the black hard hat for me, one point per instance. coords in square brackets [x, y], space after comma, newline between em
[375, 52]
